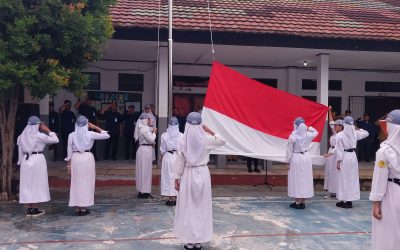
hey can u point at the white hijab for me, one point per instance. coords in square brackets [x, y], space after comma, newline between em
[81, 138]
[193, 143]
[172, 136]
[393, 141]
[300, 134]
[28, 138]
[349, 136]
[140, 126]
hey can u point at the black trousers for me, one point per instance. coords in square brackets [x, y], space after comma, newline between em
[129, 140]
[112, 143]
[250, 161]
[365, 148]
[64, 138]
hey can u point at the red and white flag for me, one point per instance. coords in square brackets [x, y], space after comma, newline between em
[255, 119]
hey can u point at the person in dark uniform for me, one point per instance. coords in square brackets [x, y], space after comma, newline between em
[181, 119]
[54, 125]
[249, 163]
[86, 109]
[67, 118]
[130, 118]
[114, 128]
[365, 145]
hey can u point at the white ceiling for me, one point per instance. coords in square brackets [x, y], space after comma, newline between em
[252, 55]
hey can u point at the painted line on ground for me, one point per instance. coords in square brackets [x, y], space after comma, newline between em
[173, 238]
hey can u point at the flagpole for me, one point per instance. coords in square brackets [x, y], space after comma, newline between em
[170, 43]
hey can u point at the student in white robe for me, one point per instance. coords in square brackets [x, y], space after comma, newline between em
[168, 149]
[300, 174]
[146, 137]
[34, 184]
[81, 164]
[346, 162]
[193, 222]
[385, 191]
[331, 179]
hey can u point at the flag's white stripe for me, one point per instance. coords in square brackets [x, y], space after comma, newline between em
[246, 141]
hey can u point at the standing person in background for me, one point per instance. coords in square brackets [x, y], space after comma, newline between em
[331, 179]
[365, 145]
[81, 164]
[153, 111]
[67, 118]
[249, 163]
[181, 119]
[114, 128]
[86, 109]
[168, 149]
[54, 125]
[130, 118]
[385, 190]
[34, 182]
[347, 163]
[193, 222]
[146, 136]
[300, 176]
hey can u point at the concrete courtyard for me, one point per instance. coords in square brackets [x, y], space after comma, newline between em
[245, 217]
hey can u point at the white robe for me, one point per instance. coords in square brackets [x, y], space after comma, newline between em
[386, 231]
[144, 160]
[300, 174]
[331, 172]
[83, 171]
[193, 217]
[34, 181]
[168, 167]
[348, 177]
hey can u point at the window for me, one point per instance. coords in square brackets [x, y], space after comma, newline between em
[191, 81]
[130, 82]
[94, 81]
[311, 84]
[270, 82]
[336, 103]
[311, 98]
[371, 86]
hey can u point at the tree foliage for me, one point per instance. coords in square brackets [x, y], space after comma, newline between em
[44, 44]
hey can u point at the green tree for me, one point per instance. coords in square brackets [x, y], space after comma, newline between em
[44, 45]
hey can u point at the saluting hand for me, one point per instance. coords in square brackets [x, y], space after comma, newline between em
[44, 128]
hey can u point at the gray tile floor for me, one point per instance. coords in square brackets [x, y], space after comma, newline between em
[244, 218]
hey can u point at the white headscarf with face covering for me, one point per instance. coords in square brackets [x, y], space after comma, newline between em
[349, 136]
[193, 140]
[81, 138]
[172, 136]
[300, 134]
[142, 124]
[393, 141]
[27, 140]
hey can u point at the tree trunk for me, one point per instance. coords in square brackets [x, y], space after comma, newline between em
[8, 112]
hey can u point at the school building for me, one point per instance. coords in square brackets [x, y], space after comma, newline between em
[337, 52]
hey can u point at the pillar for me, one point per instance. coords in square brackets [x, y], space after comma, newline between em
[162, 92]
[323, 92]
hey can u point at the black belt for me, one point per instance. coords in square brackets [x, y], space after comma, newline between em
[394, 180]
[332, 147]
[300, 152]
[171, 151]
[350, 150]
[80, 151]
[146, 145]
[33, 153]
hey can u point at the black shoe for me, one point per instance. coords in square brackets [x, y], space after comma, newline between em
[188, 246]
[77, 213]
[333, 195]
[302, 206]
[36, 212]
[257, 170]
[169, 203]
[198, 246]
[140, 195]
[348, 204]
[29, 211]
[250, 170]
[147, 196]
[84, 212]
[340, 204]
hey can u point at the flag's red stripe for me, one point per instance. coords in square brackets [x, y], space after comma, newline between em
[259, 106]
